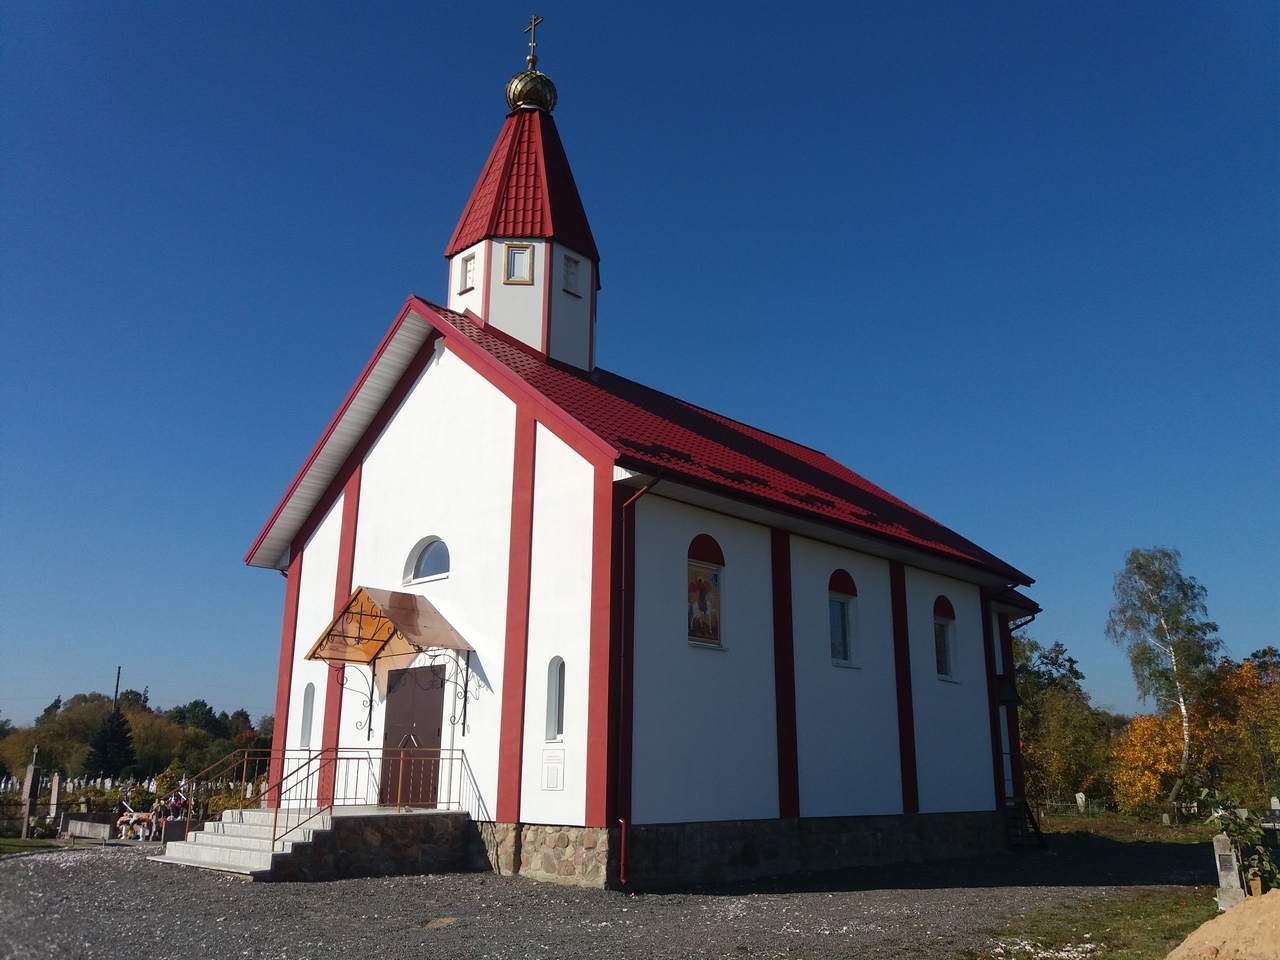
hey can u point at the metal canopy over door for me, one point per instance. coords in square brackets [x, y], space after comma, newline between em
[411, 737]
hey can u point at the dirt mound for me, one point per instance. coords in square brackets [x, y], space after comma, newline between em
[1250, 931]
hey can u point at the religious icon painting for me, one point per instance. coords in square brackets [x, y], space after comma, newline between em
[704, 603]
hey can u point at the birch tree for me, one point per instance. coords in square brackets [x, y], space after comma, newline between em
[1159, 619]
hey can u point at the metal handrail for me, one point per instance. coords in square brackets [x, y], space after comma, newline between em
[311, 783]
[218, 770]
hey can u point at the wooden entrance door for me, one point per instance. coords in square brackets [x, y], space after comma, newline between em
[411, 737]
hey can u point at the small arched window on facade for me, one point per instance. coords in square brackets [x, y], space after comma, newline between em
[555, 699]
[842, 610]
[428, 560]
[706, 577]
[308, 711]
[944, 637]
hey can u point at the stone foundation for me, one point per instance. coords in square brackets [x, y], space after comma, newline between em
[669, 855]
[574, 856]
[674, 855]
[382, 845]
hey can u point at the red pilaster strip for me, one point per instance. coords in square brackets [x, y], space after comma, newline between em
[1011, 712]
[784, 675]
[341, 593]
[626, 614]
[601, 651]
[514, 663]
[591, 333]
[993, 704]
[284, 678]
[902, 671]
[489, 254]
[548, 255]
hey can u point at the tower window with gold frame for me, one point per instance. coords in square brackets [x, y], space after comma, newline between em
[518, 261]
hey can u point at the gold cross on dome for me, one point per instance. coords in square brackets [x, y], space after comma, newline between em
[532, 31]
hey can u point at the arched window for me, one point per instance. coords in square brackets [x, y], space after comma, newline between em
[555, 699]
[706, 575]
[944, 620]
[308, 710]
[842, 610]
[428, 559]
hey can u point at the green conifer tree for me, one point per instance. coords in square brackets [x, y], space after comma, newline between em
[110, 747]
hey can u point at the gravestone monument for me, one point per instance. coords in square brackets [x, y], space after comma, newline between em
[30, 787]
[55, 796]
[1230, 892]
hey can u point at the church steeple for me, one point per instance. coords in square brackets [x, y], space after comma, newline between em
[522, 256]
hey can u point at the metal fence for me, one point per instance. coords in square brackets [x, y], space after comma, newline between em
[1070, 808]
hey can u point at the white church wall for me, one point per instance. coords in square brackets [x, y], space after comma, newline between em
[846, 716]
[443, 467]
[953, 727]
[704, 730]
[315, 611]
[462, 297]
[571, 309]
[553, 777]
[516, 308]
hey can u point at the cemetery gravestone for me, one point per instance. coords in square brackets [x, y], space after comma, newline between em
[55, 796]
[1230, 892]
[30, 787]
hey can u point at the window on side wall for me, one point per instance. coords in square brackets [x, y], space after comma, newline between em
[555, 699]
[467, 275]
[944, 638]
[706, 579]
[308, 711]
[428, 560]
[842, 610]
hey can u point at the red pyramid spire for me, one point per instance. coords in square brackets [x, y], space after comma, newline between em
[526, 190]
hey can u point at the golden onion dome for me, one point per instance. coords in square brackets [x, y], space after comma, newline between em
[531, 89]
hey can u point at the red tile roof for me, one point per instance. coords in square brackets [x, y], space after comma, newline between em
[655, 432]
[526, 190]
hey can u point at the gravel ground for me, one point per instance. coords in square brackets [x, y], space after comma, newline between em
[113, 902]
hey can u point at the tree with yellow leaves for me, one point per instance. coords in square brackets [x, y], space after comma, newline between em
[1159, 618]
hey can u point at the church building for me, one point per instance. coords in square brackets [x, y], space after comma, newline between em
[639, 642]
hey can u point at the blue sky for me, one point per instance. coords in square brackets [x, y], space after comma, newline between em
[1016, 262]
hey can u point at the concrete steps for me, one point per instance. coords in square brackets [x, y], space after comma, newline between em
[241, 841]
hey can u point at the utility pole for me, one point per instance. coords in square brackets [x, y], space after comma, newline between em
[116, 696]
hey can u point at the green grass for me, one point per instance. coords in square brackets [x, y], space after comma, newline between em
[1118, 827]
[1137, 924]
[10, 845]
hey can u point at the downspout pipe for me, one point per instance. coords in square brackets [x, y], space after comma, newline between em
[622, 653]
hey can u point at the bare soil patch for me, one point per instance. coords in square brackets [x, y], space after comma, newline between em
[1248, 931]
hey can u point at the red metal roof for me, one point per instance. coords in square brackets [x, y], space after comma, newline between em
[655, 432]
[526, 190]
[635, 426]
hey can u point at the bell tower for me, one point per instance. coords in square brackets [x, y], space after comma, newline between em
[522, 256]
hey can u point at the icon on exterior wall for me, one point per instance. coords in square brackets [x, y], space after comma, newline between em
[704, 603]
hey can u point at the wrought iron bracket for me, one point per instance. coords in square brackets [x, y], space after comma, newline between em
[366, 695]
[450, 671]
